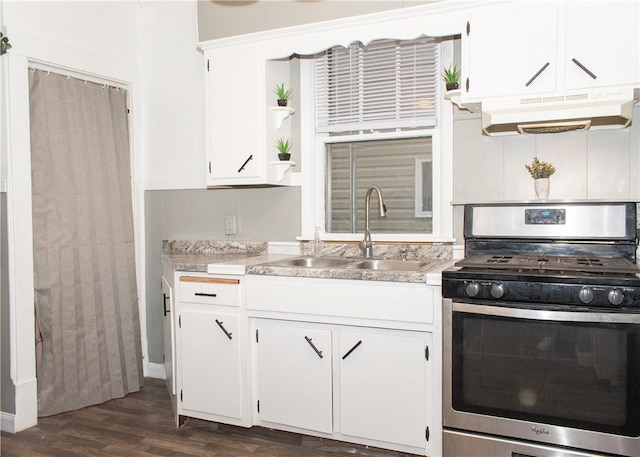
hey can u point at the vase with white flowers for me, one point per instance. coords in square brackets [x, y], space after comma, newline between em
[540, 171]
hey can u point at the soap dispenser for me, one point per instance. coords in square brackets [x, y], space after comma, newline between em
[316, 242]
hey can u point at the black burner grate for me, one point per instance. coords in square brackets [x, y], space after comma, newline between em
[567, 264]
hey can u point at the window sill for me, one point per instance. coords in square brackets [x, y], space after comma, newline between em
[381, 238]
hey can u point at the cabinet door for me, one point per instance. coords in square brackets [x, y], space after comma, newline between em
[383, 386]
[603, 37]
[169, 336]
[211, 362]
[507, 46]
[294, 375]
[234, 121]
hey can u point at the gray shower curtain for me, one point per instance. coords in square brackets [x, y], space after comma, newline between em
[85, 279]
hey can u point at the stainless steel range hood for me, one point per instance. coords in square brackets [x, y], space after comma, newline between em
[597, 110]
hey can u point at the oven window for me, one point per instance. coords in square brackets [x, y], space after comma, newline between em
[581, 375]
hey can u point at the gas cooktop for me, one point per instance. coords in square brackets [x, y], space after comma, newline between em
[526, 262]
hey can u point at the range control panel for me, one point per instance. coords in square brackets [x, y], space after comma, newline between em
[545, 216]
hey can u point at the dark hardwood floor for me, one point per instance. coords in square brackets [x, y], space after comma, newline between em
[141, 424]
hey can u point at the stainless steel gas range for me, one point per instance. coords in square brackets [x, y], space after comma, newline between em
[542, 332]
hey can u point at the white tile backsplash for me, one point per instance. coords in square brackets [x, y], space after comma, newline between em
[596, 164]
[609, 170]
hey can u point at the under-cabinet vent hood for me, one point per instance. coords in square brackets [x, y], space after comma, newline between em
[561, 113]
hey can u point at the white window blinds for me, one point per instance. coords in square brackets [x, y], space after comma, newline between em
[388, 84]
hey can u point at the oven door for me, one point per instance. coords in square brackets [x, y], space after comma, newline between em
[566, 378]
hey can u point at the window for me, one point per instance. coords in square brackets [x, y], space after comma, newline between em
[403, 175]
[376, 116]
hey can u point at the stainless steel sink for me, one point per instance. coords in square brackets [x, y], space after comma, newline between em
[312, 262]
[352, 263]
[388, 264]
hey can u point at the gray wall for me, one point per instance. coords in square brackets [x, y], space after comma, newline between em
[264, 214]
[7, 396]
[218, 19]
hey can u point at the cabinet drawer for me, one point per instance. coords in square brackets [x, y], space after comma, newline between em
[210, 291]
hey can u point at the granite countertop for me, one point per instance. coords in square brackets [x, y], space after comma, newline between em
[253, 258]
[239, 264]
[220, 263]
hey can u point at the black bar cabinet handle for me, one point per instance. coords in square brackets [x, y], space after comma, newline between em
[164, 304]
[245, 163]
[226, 332]
[204, 294]
[351, 350]
[585, 69]
[544, 67]
[310, 341]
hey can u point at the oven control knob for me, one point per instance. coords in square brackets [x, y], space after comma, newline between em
[585, 295]
[497, 290]
[615, 297]
[472, 289]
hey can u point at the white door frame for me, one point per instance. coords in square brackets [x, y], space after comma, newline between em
[15, 90]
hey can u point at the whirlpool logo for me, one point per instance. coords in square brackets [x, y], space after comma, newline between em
[539, 430]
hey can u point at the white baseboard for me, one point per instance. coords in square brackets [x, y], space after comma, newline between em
[26, 415]
[154, 370]
[7, 422]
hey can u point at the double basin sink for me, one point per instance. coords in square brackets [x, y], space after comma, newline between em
[352, 263]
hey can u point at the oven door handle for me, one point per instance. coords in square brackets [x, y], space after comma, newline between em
[548, 315]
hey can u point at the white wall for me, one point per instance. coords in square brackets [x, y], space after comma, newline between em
[148, 46]
[172, 86]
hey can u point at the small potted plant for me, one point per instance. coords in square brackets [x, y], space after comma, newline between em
[283, 94]
[450, 76]
[284, 147]
[540, 171]
[4, 44]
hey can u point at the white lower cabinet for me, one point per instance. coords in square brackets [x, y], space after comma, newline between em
[168, 333]
[169, 336]
[212, 349]
[364, 385]
[356, 361]
[294, 375]
[383, 385]
[211, 371]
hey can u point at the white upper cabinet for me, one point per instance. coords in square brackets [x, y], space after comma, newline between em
[604, 38]
[521, 49]
[505, 46]
[243, 121]
[234, 122]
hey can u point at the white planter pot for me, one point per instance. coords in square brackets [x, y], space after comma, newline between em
[541, 186]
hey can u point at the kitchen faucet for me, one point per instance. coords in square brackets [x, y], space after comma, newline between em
[366, 245]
